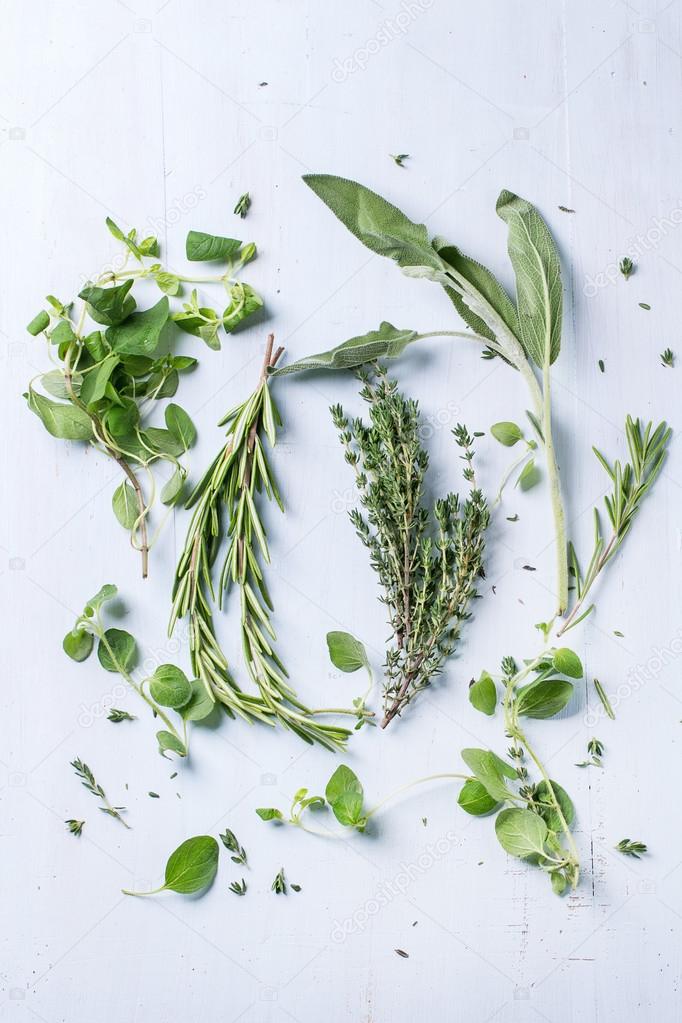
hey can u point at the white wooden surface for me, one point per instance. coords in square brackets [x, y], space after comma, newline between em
[155, 113]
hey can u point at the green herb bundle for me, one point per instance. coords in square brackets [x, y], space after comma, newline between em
[113, 363]
[427, 560]
[526, 334]
[226, 513]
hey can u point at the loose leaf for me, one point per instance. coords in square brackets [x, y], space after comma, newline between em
[123, 647]
[346, 652]
[483, 694]
[204, 248]
[536, 265]
[385, 343]
[521, 832]
[191, 868]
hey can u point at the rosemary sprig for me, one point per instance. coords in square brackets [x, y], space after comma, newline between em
[232, 488]
[88, 780]
[427, 560]
[631, 482]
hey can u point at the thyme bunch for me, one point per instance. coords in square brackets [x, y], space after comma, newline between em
[227, 513]
[427, 559]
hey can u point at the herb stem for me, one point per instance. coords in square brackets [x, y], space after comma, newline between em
[413, 784]
[560, 541]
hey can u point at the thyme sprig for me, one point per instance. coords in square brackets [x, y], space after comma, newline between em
[427, 559]
[226, 513]
[92, 785]
[647, 448]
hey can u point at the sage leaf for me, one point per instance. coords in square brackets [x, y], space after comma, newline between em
[78, 644]
[521, 832]
[345, 796]
[489, 295]
[109, 306]
[346, 652]
[141, 332]
[205, 248]
[475, 799]
[506, 433]
[483, 694]
[67, 422]
[123, 647]
[380, 226]
[388, 342]
[170, 686]
[543, 698]
[568, 663]
[180, 425]
[539, 294]
[124, 503]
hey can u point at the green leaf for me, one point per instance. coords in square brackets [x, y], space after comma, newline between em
[345, 796]
[39, 323]
[483, 694]
[170, 687]
[121, 421]
[168, 283]
[521, 832]
[170, 743]
[244, 301]
[103, 596]
[163, 441]
[171, 491]
[385, 343]
[109, 306]
[96, 380]
[62, 333]
[346, 652]
[529, 476]
[490, 770]
[539, 293]
[123, 647]
[559, 882]
[54, 383]
[543, 698]
[200, 704]
[269, 813]
[193, 865]
[475, 799]
[96, 345]
[205, 248]
[141, 332]
[568, 663]
[78, 644]
[180, 425]
[115, 230]
[67, 422]
[124, 503]
[383, 228]
[491, 302]
[548, 811]
[506, 433]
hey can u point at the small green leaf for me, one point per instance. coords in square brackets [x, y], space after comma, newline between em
[483, 694]
[103, 596]
[543, 698]
[170, 687]
[345, 796]
[78, 644]
[269, 813]
[346, 652]
[164, 441]
[123, 647]
[192, 867]
[180, 425]
[559, 882]
[490, 770]
[547, 809]
[506, 433]
[170, 743]
[141, 332]
[171, 492]
[109, 306]
[475, 799]
[568, 663]
[124, 503]
[200, 704]
[521, 832]
[66, 422]
[168, 283]
[96, 380]
[39, 323]
[201, 247]
[529, 476]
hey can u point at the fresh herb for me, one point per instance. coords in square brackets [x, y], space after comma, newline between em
[400, 952]
[427, 560]
[626, 267]
[295, 887]
[229, 840]
[601, 365]
[75, 827]
[238, 887]
[114, 363]
[279, 885]
[399, 158]
[89, 782]
[628, 848]
[348, 654]
[606, 703]
[191, 868]
[154, 795]
[596, 749]
[631, 482]
[509, 434]
[227, 512]
[117, 715]
[243, 204]
[644, 305]
[117, 651]
[668, 358]
[526, 335]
